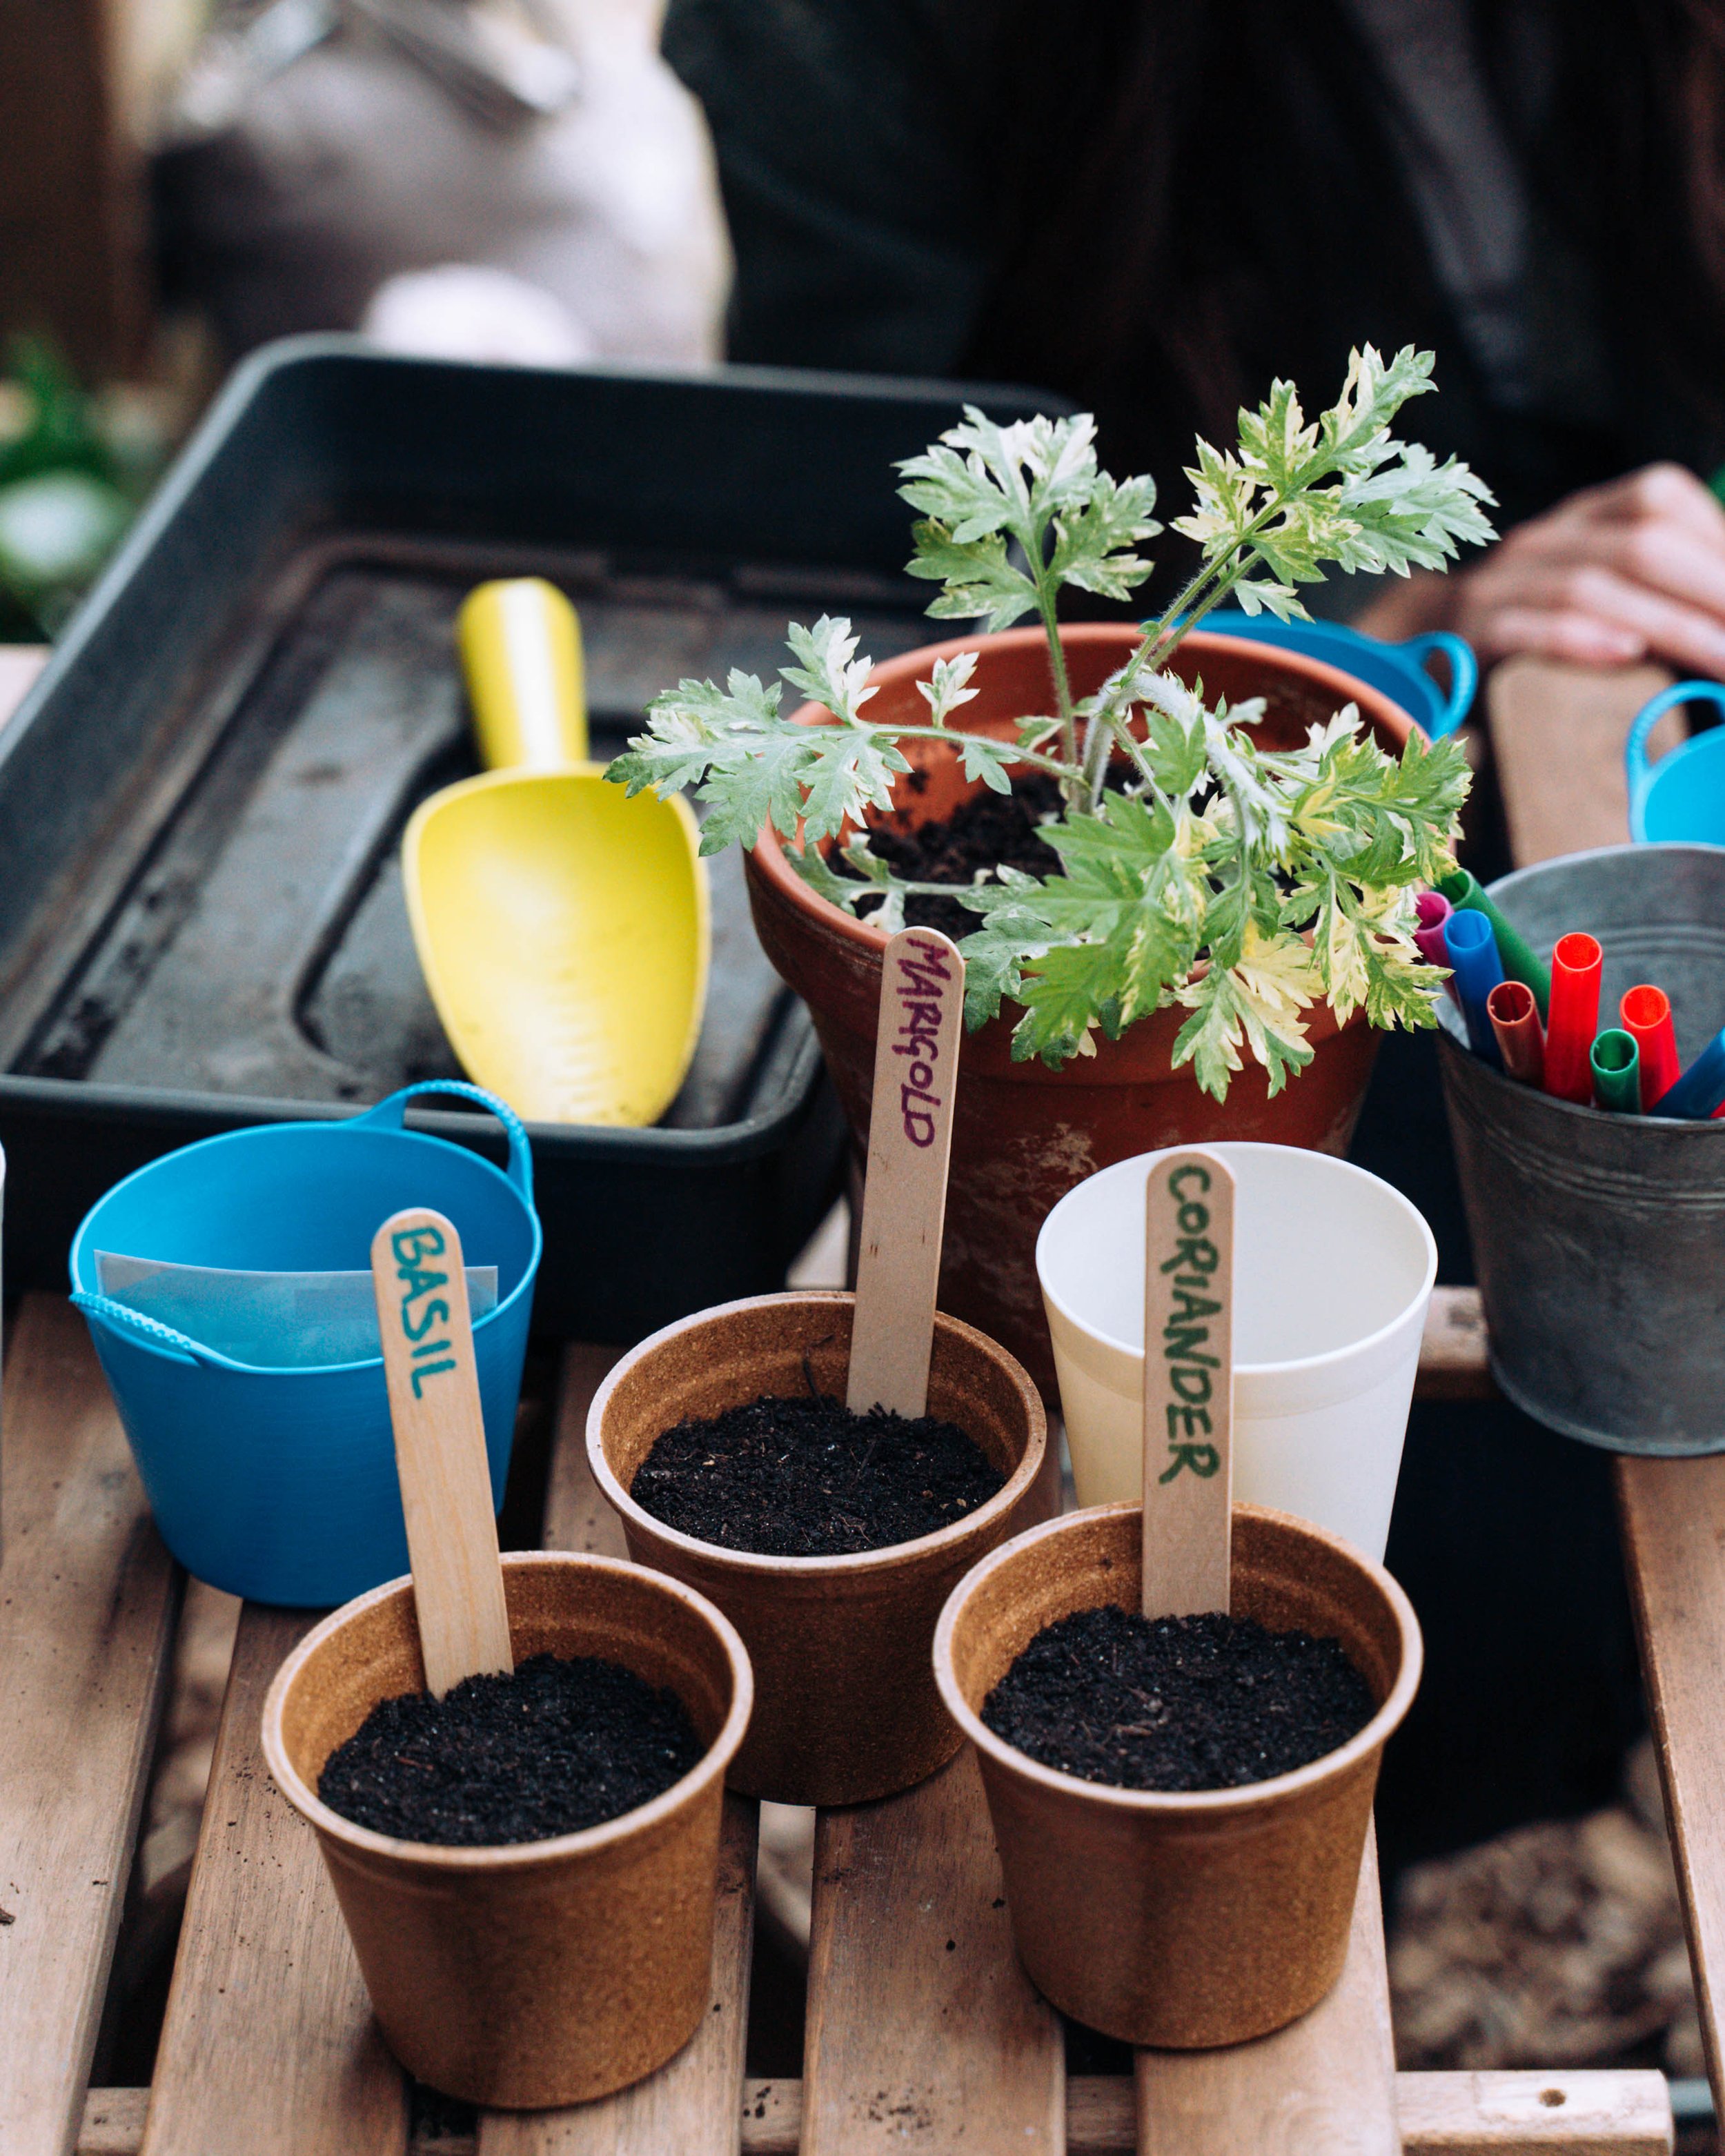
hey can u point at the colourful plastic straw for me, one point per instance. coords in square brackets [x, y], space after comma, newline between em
[1521, 1038]
[1473, 954]
[1701, 1088]
[1433, 909]
[1646, 1014]
[1616, 1064]
[1463, 892]
[1574, 1019]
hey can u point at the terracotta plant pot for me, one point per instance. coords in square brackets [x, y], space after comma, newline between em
[543, 1972]
[845, 1703]
[1025, 1134]
[1180, 1920]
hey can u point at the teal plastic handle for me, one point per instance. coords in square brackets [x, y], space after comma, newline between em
[391, 1111]
[1464, 674]
[1637, 769]
[179, 1345]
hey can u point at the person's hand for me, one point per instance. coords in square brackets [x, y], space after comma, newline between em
[1634, 570]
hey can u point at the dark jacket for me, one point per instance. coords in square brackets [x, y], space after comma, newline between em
[915, 187]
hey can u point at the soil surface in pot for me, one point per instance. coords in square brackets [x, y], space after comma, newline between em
[988, 831]
[804, 1476]
[558, 1746]
[1176, 1703]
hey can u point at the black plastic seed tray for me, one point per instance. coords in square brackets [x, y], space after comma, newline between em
[202, 801]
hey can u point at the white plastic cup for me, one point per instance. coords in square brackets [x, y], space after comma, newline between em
[1333, 1271]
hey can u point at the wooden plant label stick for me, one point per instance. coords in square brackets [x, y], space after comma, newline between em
[905, 1193]
[1188, 1384]
[421, 1285]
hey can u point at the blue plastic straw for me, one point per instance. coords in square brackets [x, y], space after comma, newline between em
[1478, 969]
[1700, 1088]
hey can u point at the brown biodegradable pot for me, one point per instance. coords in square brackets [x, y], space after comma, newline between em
[1180, 1920]
[845, 1703]
[542, 1973]
[1025, 1134]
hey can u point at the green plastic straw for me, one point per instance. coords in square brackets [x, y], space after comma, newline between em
[1617, 1072]
[1463, 892]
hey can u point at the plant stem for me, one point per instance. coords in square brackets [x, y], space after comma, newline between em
[1065, 773]
[1135, 750]
[1099, 739]
[1191, 607]
[1057, 667]
[1198, 599]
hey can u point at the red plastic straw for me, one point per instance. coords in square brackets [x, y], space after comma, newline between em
[1521, 1038]
[1575, 964]
[1646, 1014]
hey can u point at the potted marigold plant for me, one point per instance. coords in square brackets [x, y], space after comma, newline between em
[1165, 851]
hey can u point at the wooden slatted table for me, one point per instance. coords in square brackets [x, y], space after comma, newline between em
[922, 2033]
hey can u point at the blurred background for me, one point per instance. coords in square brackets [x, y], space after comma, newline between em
[183, 179]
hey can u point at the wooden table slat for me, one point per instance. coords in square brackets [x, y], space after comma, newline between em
[1673, 1518]
[1588, 2113]
[1596, 2113]
[89, 1600]
[922, 2031]
[1452, 1348]
[693, 2105]
[1557, 736]
[1324, 2086]
[269, 2045]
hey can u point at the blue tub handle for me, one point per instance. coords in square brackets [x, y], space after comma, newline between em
[389, 1115]
[1464, 674]
[179, 1347]
[1636, 767]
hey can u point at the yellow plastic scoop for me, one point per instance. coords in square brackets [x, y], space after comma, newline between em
[562, 927]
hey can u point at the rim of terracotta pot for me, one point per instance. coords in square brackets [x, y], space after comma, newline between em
[769, 849]
[503, 1856]
[1172, 1803]
[763, 1562]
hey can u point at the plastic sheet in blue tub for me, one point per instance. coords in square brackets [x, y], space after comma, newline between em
[279, 1483]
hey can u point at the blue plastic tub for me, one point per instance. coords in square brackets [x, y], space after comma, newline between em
[1682, 796]
[1398, 669]
[279, 1483]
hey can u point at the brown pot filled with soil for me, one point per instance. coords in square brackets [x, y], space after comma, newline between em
[530, 1969]
[845, 1704]
[1023, 1134]
[1179, 1917]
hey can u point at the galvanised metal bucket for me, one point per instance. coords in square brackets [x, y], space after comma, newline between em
[1599, 1240]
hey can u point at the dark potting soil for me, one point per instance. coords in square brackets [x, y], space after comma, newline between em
[803, 1476]
[986, 832]
[559, 1746]
[1177, 1702]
